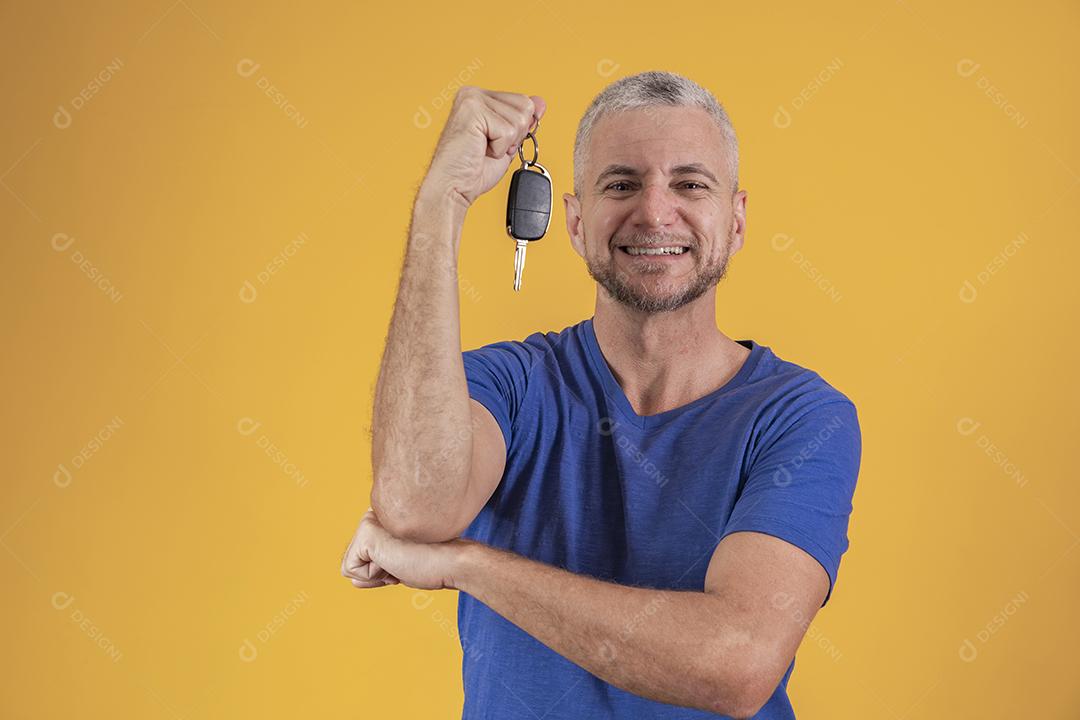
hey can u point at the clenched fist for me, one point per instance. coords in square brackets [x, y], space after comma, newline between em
[479, 141]
[375, 558]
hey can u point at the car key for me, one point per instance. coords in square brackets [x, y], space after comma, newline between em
[528, 207]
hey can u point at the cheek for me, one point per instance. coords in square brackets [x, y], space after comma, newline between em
[602, 224]
[716, 222]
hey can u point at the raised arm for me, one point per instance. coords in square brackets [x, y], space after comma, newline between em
[437, 455]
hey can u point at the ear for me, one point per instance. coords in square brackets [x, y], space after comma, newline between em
[738, 220]
[574, 224]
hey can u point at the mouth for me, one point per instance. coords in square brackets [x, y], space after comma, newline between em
[654, 250]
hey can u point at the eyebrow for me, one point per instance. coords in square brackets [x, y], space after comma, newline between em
[686, 169]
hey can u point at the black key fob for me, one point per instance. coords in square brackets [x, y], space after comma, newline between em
[528, 206]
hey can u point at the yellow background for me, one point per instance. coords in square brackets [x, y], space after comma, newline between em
[179, 539]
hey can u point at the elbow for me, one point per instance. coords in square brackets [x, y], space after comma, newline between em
[416, 529]
[744, 711]
[738, 704]
[419, 519]
[408, 524]
[740, 692]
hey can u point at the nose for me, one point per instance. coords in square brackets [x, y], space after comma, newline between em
[656, 207]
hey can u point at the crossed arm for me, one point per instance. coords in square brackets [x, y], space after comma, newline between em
[723, 650]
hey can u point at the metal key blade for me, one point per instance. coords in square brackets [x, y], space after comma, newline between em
[519, 262]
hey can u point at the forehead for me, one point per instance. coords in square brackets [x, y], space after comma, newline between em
[656, 135]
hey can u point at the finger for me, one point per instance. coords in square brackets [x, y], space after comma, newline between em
[348, 558]
[502, 129]
[364, 584]
[361, 571]
[532, 107]
[522, 103]
[540, 105]
[355, 561]
[520, 118]
[371, 574]
[524, 117]
[345, 557]
[369, 570]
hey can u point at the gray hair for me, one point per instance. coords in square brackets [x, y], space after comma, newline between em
[651, 89]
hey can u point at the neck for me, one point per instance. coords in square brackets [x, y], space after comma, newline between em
[665, 360]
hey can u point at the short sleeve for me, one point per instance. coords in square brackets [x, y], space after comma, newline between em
[497, 376]
[800, 486]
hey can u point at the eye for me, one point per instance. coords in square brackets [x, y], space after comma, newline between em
[618, 182]
[699, 185]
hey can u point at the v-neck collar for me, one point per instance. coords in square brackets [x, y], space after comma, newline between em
[615, 394]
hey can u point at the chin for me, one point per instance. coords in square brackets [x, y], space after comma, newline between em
[655, 292]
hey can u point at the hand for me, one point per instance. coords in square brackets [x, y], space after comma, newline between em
[480, 139]
[375, 558]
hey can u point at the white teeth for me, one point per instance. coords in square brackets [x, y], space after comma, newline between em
[654, 250]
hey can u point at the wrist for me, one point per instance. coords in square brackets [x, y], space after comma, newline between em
[437, 222]
[466, 557]
[439, 198]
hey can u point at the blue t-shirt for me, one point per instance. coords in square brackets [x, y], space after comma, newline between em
[592, 487]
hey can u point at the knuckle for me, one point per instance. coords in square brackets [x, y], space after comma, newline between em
[469, 97]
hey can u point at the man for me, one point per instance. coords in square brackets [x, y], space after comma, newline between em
[650, 513]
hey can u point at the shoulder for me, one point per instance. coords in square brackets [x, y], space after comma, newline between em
[525, 354]
[792, 399]
[791, 385]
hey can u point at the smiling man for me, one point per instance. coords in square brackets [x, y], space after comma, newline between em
[641, 514]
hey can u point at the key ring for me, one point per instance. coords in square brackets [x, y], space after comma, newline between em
[536, 147]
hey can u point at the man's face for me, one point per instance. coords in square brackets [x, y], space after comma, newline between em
[656, 178]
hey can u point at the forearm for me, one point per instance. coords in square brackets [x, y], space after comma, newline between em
[678, 647]
[421, 423]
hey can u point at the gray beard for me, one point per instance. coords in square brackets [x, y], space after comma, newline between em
[618, 285]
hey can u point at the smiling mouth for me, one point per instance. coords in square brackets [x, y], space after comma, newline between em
[654, 249]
